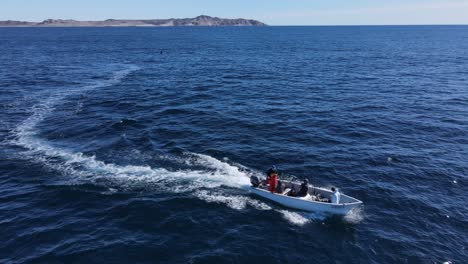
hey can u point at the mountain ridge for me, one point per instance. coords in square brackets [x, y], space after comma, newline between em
[202, 20]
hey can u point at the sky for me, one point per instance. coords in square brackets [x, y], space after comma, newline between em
[272, 12]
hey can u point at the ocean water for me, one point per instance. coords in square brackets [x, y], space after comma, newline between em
[135, 145]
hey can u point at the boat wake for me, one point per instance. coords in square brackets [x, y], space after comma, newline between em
[210, 173]
[89, 168]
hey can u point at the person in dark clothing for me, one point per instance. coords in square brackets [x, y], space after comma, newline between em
[270, 171]
[279, 187]
[304, 188]
[292, 192]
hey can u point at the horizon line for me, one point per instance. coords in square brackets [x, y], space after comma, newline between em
[267, 25]
[270, 25]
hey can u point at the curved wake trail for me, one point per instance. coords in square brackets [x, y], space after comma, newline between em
[89, 169]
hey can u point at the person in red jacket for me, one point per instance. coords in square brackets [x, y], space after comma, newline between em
[272, 179]
[273, 182]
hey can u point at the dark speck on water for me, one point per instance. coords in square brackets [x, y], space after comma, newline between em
[111, 153]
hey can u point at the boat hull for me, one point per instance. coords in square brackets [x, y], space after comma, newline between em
[306, 204]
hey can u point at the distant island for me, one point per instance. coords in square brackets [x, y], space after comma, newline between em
[170, 22]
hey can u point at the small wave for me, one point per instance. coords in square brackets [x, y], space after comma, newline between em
[355, 216]
[232, 175]
[299, 218]
[294, 217]
[125, 123]
[237, 202]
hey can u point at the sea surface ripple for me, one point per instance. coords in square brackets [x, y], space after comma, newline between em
[135, 145]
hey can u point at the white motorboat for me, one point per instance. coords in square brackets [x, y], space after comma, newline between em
[314, 201]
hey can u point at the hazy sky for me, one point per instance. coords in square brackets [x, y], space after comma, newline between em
[273, 12]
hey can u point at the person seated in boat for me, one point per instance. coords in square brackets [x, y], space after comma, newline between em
[335, 197]
[304, 188]
[279, 187]
[292, 192]
[254, 181]
[269, 172]
[272, 178]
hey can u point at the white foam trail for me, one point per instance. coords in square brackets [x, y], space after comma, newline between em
[89, 168]
[25, 132]
[294, 217]
[354, 216]
[231, 175]
[301, 218]
[237, 202]
[82, 167]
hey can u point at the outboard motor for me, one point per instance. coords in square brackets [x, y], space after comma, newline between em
[254, 181]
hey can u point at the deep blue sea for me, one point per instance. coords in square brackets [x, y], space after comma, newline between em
[135, 145]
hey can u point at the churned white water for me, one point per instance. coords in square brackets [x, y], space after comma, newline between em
[80, 167]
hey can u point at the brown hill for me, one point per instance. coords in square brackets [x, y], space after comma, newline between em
[197, 21]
